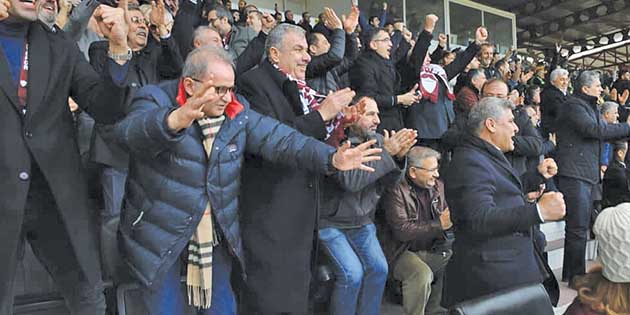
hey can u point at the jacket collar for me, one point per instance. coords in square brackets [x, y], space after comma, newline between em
[288, 88]
[591, 100]
[494, 153]
[231, 110]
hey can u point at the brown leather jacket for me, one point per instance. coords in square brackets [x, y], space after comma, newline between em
[410, 221]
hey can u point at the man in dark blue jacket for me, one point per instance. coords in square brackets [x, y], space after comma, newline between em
[187, 140]
[580, 135]
[493, 248]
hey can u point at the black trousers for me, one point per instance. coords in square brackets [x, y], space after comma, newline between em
[43, 228]
[578, 197]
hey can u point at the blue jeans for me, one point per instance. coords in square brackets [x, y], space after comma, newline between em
[577, 195]
[167, 298]
[360, 269]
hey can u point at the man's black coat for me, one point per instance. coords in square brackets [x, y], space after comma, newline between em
[278, 204]
[493, 248]
[581, 132]
[46, 136]
[551, 101]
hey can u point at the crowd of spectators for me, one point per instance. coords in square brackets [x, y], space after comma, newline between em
[239, 149]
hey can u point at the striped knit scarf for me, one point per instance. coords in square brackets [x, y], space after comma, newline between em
[199, 271]
[311, 100]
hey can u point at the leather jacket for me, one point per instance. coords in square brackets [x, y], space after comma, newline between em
[411, 222]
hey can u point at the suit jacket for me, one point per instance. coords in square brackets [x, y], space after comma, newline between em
[279, 203]
[493, 246]
[46, 136]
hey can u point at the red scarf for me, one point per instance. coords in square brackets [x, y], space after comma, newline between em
[231, 110]
[429, 84]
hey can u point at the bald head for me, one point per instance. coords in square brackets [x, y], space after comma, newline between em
[495, 88]
[206, 35]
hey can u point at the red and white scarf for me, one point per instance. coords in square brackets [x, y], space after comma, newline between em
[311, 101]
[429, 84]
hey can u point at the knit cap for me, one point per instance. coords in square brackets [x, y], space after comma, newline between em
[612, 230]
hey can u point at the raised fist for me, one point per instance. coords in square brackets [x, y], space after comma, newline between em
[481, 35]
[429, 22]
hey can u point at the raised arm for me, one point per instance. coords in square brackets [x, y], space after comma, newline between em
[463, 59]
[79, 18]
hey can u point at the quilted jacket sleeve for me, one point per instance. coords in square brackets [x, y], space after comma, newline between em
[277, 142]
[144, 131]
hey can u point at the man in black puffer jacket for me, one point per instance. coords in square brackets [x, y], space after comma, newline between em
[186, 140]
[580, 135]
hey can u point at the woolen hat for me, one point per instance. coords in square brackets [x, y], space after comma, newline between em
[612, 230]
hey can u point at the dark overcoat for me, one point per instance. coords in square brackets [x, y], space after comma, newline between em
[46, 135]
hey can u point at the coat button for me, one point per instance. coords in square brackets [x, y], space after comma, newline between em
[310, 185]
[169, 252]
[189, 219]
[28, 134]
[24, 176]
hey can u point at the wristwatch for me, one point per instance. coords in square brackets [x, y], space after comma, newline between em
[126, 57]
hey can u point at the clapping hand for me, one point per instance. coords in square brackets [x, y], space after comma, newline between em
[397, 144]
[347, 158]
[352, 20]
[5, 5]
[623, 97]
[331, 20]
[158, 16]
[335, 102]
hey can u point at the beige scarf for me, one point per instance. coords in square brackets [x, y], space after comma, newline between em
[199, 271]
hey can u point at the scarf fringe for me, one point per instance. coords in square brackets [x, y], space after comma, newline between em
[198, 297]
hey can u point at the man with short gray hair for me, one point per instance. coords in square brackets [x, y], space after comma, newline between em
[552, 98]
[580, 137]
[492, 220]
[279, 204]
[413, 237]
[187, 139]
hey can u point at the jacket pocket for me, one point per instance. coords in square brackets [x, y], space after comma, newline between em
[136, 217]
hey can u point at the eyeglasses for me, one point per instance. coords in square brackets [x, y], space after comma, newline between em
[220, 90]
[430, 170]
[138, 21]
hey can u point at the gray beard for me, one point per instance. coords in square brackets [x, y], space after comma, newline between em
[47, 19]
